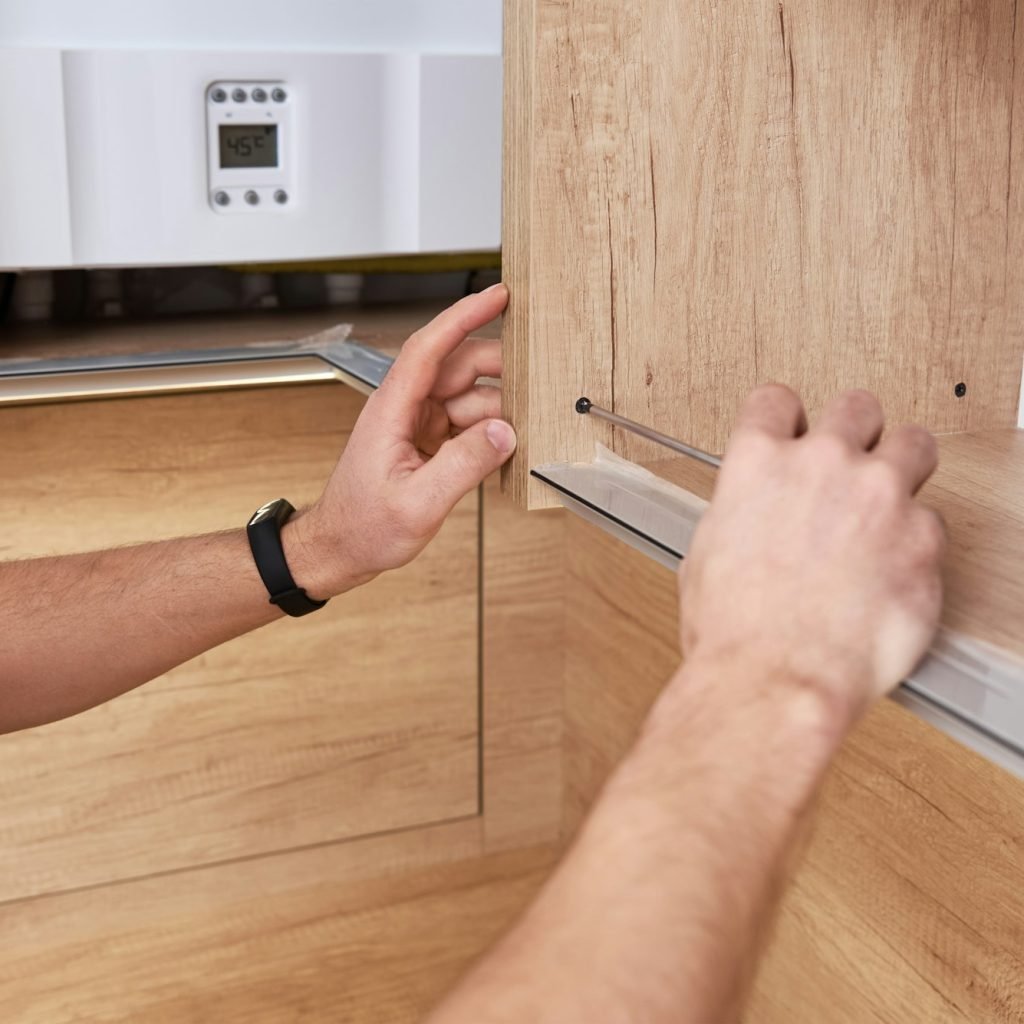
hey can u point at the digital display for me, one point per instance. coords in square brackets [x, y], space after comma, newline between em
[248, 145]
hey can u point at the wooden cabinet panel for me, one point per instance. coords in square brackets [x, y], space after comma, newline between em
[703, 197]
[908, 905]
[366, 932]
[358, 719]
[523, 640]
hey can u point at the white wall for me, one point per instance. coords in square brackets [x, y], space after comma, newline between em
[424, 26]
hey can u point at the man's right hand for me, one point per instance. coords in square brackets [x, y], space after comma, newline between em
[815, 566]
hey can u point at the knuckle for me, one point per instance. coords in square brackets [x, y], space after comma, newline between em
[771, 393]
[416, 340]
[828, 449]
[858, 406]
[861, 398]
[931, 534]
[753, 446]
[882, 484]
[923, 441]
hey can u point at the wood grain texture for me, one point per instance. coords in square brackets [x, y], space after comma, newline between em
[111, 908]
[371, 931]
[524, 581]
[702, 198]
[908, 905]
[979, 491]
[359, 719]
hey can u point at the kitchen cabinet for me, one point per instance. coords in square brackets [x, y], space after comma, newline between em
[700, 198]
[697, 202]
[906, 905]
[361, 719]
[330, 814]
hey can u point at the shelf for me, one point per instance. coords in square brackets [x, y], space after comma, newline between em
[972, 683]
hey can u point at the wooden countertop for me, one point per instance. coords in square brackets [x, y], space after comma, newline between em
[382, 324]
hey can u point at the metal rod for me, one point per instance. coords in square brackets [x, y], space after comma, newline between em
[584, 405]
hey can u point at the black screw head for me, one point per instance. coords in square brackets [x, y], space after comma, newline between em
[583, 405]
[960, 390]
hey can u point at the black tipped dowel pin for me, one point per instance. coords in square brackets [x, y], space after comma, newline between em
[585, 406]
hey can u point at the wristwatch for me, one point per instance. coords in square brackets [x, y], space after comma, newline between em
[264, 533]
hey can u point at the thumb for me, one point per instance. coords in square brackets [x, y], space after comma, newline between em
[463, 462]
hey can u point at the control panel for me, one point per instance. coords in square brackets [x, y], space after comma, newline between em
[249, 146]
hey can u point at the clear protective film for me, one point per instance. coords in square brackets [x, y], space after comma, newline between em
[972, 691]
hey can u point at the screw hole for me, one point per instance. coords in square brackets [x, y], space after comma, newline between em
[960, 390]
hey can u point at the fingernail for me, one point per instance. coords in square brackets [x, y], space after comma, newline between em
[493, 287]
[501, 436]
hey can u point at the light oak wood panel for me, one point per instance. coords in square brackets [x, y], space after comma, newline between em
[979, 490]
[370, 931]
[361, 718]
[700, 198]
[524, 580]
[908, 905]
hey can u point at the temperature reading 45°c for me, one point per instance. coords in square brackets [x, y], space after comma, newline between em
[248, 145]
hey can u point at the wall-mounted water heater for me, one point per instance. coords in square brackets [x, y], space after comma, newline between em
[132, 157]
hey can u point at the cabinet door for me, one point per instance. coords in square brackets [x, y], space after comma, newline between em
[703, 197]
[907, 905]
[359, 719]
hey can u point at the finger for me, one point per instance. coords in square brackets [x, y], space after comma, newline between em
[855, 416]
[912, 452]
[433, 429]
[472, 360]
[461, 464]
[772, 409]
[415, 372]
[479, 403]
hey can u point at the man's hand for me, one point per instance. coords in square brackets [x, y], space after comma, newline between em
[425, 439]
[814, 565]
[812, 587]
[89, 627]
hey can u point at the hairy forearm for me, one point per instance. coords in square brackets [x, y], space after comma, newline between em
[84, 628]
[658, 911]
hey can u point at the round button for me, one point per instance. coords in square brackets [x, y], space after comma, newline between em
[221, 198]
[239, 95]
[252, 198]
[279, 95]
[280, 196]
[218, 95]
[259, 95]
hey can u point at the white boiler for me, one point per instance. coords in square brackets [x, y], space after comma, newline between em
[148, 155]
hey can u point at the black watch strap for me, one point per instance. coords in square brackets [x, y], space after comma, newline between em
[264, 533]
